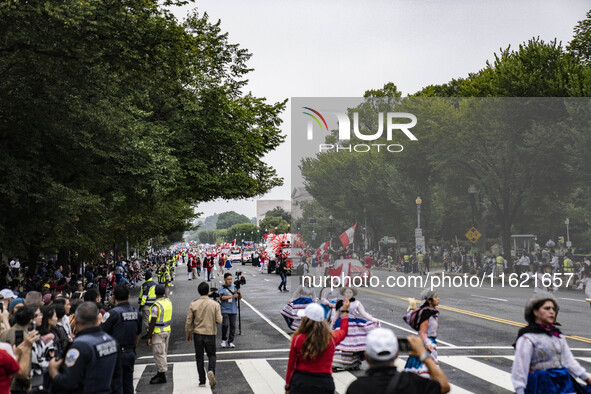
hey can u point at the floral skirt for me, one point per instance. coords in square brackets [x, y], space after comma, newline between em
[290, 312]
[414, 365]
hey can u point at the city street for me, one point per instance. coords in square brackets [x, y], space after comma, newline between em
[477, 329]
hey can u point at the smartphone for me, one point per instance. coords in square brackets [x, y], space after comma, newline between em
[32, 326]
[19, 337]
[1, 306]
[404, 345]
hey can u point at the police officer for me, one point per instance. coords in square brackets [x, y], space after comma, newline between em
[159, 333]
[91, 364]
[147, 299]
[124, 323]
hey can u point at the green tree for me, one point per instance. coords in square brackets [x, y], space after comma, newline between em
[243, 232]
[230, 218]
[279, 212]
[117, 120]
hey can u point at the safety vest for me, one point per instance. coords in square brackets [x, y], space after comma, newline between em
[420, 257]
[148, 293]
[568, 265]
[164, 315]
[162, 276]
[500, 262]
[406, 258]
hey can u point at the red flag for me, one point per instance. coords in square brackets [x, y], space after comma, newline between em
[347, 237]
[234, 242]
[321, 249]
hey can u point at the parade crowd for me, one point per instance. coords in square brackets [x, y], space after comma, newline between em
[67, 332]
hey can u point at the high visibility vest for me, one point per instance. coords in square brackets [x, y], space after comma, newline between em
[420, 257]
[568, 265]
[164, 315]
[406, 258]
[162, 276]
[148, 293]
[500, 262]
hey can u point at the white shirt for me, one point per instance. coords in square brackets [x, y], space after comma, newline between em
[15, 264]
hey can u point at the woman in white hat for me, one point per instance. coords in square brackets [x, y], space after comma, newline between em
[309, 369]
[543, 361]
[349, 352]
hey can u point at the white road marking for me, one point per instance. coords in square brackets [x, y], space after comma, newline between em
[267, 320]
[138, 370]
[261, 377]
[185, 377]
[218, 353]
[489, 298]
[480, 370]
[414, 332]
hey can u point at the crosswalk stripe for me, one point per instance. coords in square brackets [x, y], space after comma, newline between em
[342, 380]
[261, 377]
[138, 371]
[185, 377]
[480, 370]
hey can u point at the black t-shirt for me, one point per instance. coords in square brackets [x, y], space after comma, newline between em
[376, 380]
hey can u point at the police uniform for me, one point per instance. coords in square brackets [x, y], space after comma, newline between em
[124, 323]
[162, 310]
[147, 299]
[90, 365]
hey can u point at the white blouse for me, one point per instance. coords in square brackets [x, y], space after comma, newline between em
[541, 351]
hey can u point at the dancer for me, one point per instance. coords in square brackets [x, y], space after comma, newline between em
[425, 320]
[349, 352]
[302, 296]
[543, 361]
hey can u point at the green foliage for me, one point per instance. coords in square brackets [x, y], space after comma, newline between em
[243, 232]
[279, 212]
[230, 218]
[275, 224]
[117, 119]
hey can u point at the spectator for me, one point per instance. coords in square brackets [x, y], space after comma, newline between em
[34, 299]
[17, 363]
[229, 297]
[63, 319]
[312, 348]
[382, 376]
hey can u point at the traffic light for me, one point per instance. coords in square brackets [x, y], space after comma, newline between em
[561, 240]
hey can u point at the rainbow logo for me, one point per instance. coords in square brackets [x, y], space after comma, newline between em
[316, 118]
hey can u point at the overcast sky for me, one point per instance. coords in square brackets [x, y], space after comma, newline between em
[329, 48]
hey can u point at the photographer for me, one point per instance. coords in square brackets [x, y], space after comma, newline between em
[230, 297]
[382, 376]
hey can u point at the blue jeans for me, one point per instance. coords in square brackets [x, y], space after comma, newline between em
[283, 281]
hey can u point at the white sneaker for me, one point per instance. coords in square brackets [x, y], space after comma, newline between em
[232, 344]
[224, 344]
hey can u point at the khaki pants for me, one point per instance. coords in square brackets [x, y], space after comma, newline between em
[160, 349]
[146, 316]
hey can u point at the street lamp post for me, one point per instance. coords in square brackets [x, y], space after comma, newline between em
[568, 244]
[472, 190]
[418, 232]
[330, 231]
[365, 243]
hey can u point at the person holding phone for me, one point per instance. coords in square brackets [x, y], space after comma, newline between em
[382, 376]
[309, 369]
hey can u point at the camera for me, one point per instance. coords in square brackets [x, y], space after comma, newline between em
[239, 279]
[213, 294]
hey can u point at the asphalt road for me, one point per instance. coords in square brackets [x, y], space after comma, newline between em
[477, 327]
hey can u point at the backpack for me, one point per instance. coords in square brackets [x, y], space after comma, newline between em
[415, 317]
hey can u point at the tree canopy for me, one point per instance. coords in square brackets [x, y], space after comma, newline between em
[117, 119]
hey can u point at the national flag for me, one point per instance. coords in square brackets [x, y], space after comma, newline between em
[347, 237]
[321, 249]
[234, 242]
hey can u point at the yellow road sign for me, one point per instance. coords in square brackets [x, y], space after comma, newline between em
[473, 235]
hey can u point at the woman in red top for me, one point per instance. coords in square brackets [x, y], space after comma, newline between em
[309, 369]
